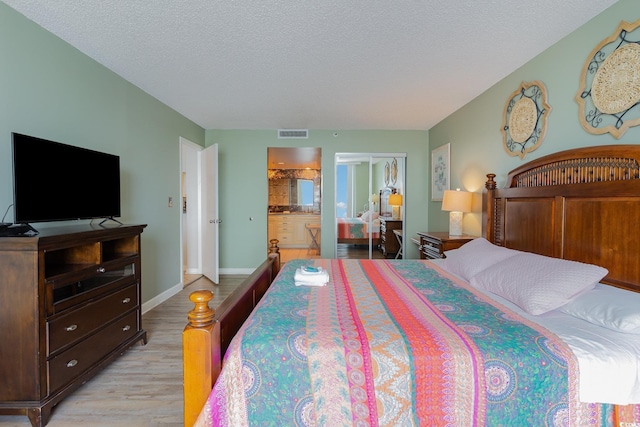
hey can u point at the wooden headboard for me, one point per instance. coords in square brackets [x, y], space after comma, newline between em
[385, 209]
[581, 204]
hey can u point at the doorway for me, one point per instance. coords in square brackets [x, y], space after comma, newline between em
[295, 181]
[198, 206]
[189, 170]
[369, 205]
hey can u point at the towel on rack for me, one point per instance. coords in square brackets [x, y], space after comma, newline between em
[311, 276]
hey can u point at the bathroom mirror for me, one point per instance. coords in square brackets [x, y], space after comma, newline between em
[292, 192]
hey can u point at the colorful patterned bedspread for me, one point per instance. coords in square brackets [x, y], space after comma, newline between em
[395, 343]
[355, 228]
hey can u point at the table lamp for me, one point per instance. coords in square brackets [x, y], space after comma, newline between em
[375, 198]
[395, 201]
[456, 202]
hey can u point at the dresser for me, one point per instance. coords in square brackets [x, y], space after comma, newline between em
[433, 244]
[291, 229]
[71, 304]
[389, 245]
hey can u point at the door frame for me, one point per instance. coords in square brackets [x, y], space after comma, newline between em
[189, 241]
[369, 156]
[192, 223]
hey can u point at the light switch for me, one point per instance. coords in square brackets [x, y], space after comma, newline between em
[170, 202]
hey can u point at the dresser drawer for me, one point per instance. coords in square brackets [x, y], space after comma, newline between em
[73, 326]
[82, 356]
[434, 244]
[432, 249]
[63, 295]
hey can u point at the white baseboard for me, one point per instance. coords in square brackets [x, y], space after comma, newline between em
[236, 271]
[159, 299]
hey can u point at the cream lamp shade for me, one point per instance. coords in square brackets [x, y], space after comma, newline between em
[375, 198]
[395, 201]
[456, 202]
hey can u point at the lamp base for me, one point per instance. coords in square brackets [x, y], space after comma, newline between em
[395, 212]
[455, 223]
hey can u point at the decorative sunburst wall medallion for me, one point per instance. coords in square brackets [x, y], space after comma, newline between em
[525, 119]
[609, 94]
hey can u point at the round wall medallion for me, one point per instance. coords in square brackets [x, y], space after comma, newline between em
[609, 94]
[386, 174]
[394, 171]
[525, 119]
[616, 85]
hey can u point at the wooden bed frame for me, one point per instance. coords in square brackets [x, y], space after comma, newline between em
[581, 204]
[208, 334]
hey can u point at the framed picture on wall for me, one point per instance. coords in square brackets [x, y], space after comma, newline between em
[440, 171]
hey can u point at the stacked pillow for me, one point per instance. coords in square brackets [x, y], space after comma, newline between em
[609, 307]
[368, 215]
[474, 257]
[535, 283]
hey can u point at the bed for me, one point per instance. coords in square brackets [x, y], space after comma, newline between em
[357, 231]
[407, 342]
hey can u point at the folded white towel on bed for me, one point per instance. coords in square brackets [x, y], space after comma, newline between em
[311, 276]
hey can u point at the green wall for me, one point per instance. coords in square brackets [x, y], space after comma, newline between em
[474, 130]
[51, 90]
[243, 184]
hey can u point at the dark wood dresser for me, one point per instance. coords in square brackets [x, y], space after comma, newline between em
[433, 244]
[70, 304]
[389, 245]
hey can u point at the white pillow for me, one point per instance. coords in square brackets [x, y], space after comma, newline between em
[606, 306]
[475, 256]
[365, 216]
[537, 283]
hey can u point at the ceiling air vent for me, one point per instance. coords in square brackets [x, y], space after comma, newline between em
[293, 133]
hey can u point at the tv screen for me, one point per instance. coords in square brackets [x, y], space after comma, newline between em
[55, 182]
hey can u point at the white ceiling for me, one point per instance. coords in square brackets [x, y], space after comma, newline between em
[331, 64]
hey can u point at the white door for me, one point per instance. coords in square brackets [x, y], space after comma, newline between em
[210, 221]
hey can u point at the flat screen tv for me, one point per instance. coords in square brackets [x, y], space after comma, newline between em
[56, 182]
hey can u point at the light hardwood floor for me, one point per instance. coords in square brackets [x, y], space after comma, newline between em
[289, 254]
[144, 386]
[344, 251]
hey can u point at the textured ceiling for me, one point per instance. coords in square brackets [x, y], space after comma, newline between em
[332, 64]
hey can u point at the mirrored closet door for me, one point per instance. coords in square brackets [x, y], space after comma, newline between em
[369, 205]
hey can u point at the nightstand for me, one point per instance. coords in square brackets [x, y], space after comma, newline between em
[433, 244]
[389, 245]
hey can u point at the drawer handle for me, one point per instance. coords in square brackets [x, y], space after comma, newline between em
[126, 328]
[101, 270]
[126, 300]
[71, 328]
[72, 363]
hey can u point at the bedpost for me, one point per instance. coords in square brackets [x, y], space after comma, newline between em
[274, 249]
[274, 252]
[200, 339]
[209, 333]
[487, 208]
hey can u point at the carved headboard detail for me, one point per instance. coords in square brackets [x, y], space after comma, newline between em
[592, 164]
[581, 204]
[385, 209]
